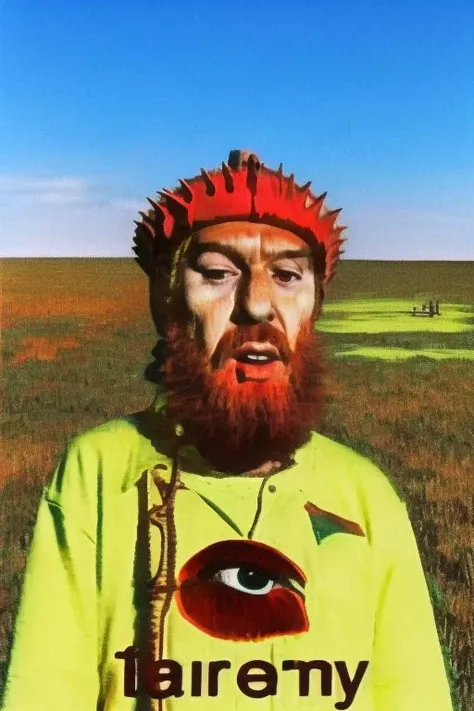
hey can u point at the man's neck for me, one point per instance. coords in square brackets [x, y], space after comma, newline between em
[250, 465]
[265, 469]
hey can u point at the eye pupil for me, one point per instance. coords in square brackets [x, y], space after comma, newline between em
[286, 276]
[252, 579]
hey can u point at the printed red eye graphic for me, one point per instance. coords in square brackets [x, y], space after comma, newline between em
[246, 579]
[242, 590]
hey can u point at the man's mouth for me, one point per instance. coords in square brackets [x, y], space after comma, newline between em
[255, 358]
[257, 353]
[257, 361]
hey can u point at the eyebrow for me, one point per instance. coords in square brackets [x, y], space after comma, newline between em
[234, 255]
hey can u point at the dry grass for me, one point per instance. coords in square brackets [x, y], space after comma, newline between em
[75, 357]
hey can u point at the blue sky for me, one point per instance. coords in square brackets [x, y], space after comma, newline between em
[103, 102]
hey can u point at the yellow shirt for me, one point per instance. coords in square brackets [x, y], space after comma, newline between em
[365, 596]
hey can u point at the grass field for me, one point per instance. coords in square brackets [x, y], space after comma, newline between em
[77, 336]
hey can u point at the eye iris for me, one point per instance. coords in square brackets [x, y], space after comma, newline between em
[252, 579]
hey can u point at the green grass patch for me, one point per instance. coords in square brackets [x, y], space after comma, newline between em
[385, 329]
[403, 353]
[381, 315]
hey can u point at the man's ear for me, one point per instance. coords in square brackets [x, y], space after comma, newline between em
[167, 296]
[319, 297]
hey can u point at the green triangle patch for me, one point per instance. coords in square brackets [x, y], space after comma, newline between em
[325, 523]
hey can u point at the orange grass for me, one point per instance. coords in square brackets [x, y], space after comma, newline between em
[98, 291]
[79, 335]
[38, 348]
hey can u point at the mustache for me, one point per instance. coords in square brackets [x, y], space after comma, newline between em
[260, 332]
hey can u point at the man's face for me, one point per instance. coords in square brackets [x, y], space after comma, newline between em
[241, 274]
[243, 367]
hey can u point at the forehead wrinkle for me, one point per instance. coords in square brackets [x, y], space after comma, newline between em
[250, 245]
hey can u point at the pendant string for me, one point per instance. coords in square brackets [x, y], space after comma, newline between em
[163, 584]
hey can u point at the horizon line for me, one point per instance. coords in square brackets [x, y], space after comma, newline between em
[131, 258]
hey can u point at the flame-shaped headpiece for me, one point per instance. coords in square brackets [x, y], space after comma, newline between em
[242, 190]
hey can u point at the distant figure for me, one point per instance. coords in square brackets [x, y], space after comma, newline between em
[431, 310]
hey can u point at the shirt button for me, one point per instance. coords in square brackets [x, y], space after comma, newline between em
[272, 488]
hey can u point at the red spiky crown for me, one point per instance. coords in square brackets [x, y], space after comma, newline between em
[243, 190]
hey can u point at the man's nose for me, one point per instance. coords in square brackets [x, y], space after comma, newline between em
[254, 299]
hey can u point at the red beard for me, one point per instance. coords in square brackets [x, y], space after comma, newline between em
[237, 426]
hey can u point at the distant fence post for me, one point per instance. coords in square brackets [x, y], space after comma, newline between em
[431, 309]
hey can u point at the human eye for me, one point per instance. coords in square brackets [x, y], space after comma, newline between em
[252, 591]
[246, 579]
[286, 276]
[216, 275]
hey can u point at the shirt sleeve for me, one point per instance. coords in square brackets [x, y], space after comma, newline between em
[53, 662]
[408, 671]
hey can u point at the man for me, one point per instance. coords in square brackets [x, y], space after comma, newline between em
[216, 551]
